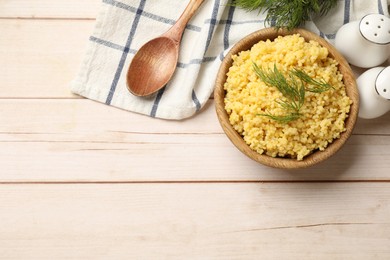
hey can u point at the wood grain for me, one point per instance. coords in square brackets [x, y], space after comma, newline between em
[83, 115]
[176, 158]
[34, 63]
[81, 140]
[196, 221]
[43, 9]
[82, 180]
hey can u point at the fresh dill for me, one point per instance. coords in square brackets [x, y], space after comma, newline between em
[284, 118]
[287, 13]
[292, 88]
[292, 91]
[313, 85]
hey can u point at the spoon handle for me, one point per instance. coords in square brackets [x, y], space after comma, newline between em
[176, 31]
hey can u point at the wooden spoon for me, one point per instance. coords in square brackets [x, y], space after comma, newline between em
[154, 63]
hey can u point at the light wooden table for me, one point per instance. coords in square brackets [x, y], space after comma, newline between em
[82, 180]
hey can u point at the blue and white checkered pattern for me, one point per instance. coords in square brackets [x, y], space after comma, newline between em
[123, 26]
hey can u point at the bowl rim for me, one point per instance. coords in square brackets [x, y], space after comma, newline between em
[277, 162]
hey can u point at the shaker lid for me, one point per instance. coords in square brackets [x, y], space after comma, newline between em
[382, 83]
[375, 28]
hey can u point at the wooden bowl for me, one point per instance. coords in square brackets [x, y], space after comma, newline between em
[278, 162]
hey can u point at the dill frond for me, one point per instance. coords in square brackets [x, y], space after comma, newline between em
[249, 5]
[283, 118]
[287, 13]
[313, 85]
[326, 6]
[292, 88]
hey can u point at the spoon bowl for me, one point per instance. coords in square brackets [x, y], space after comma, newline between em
[155, 62]
[152, 66]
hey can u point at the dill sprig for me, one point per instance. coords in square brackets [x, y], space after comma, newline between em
[284, 119]
[313, 85]
[287, 13]
[292, 88]
[293, 91]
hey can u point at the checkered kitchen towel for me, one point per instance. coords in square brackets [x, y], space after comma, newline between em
[123, 26]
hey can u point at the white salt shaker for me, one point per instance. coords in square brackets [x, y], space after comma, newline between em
[365, 43]
[374, 91]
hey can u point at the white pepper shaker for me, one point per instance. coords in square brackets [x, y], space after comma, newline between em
[365, 43]
[374, 92]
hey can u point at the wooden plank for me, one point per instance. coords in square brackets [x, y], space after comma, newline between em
[188, 157]
[37, 65]
[39, 58]
[82, 140]
[49, 9]
[196, 221]
[69, 118]
[376, 126]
